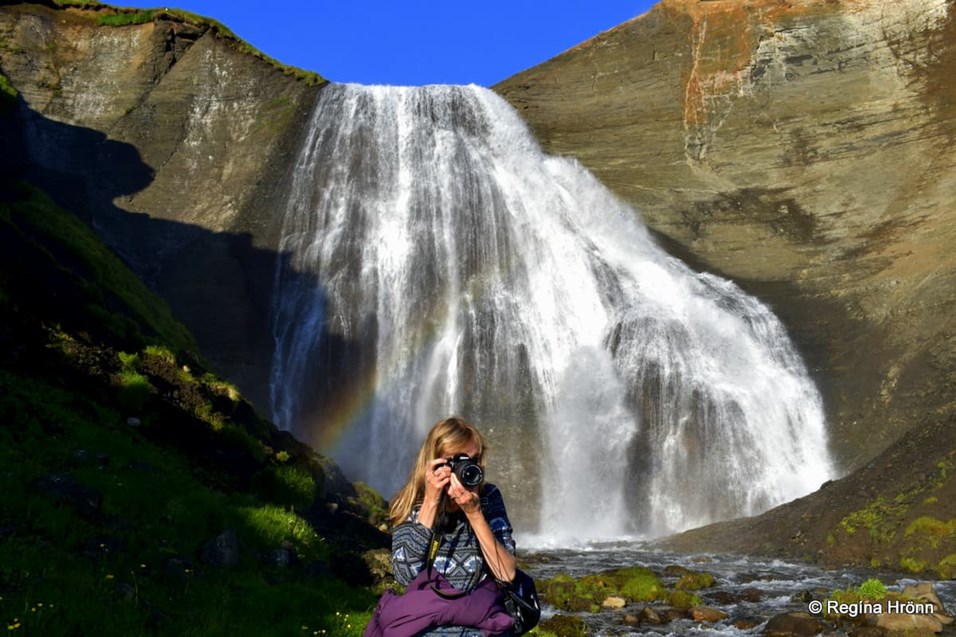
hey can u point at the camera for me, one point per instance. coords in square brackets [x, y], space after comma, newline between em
[468, 471]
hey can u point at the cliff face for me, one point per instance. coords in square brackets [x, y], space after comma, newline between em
[173, 120]
[802, 148]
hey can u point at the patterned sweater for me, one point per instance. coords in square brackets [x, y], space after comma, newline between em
[459, 556]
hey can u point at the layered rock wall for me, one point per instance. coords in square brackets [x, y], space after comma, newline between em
[803, 148]
[176, 144]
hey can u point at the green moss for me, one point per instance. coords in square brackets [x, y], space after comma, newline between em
[947, 567]
[912, 565]
[564, 626]
[880, 519]
[683, 599]
[930, 530]
[635, 583]
[693, 581]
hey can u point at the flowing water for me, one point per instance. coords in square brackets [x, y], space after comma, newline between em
[438, 262]
[746, 588]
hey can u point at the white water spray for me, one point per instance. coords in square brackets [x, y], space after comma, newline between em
[438, 262]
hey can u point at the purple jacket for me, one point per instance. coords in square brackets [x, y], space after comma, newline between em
[423, 607]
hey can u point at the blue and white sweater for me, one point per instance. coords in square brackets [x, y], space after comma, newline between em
[459, 556]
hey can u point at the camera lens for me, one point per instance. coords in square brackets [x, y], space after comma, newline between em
[469, 474]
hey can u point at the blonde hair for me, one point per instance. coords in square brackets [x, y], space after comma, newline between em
[444, 437]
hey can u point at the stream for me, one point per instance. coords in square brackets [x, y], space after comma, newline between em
[784, 587]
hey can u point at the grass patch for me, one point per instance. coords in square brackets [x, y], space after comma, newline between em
[125, 18]
[136, 561]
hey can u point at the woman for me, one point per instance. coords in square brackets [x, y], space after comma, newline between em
[472, 525]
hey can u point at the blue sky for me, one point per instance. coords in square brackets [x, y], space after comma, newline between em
[413, 41]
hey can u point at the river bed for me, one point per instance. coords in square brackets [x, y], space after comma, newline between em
[783, 586]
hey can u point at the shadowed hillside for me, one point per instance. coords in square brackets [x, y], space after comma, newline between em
[138, 486]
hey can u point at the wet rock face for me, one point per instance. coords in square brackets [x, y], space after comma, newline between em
[803, 149]
[170, 120]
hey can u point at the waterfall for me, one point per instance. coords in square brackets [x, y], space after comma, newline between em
[436, 261]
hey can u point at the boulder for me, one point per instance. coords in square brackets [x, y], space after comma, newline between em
[908, 624]
[792, 625]
[223, 550]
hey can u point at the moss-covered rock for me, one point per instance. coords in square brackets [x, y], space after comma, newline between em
[694, 581]
[634, 583]
[564, 626]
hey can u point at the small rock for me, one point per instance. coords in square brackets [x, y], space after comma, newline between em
[746, 623]
[84, 458]
[630, 620]
[133, 422]
[177, 567]
[669, 614]
[64, 489]
[614, 601]
[868, 631]
[281, 558]
[223, 550]
[707, 614]
[650, 616]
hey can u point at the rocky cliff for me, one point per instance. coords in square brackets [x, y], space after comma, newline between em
[802, 148]
[174, 119]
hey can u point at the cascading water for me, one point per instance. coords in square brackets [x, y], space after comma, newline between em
[437, 262]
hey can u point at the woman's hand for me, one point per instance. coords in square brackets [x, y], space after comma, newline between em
[437, 479]
[466, 499]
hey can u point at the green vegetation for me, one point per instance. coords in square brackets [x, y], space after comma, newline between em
[880, 519]
[562, 626]
[912, 565]
[947, 567]
[124, 18]
[872, 590]
[8, 96]
[927, 529]
[112, 297]
[683, 599]
[692, 581]
[139, 493]
[635, 583]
